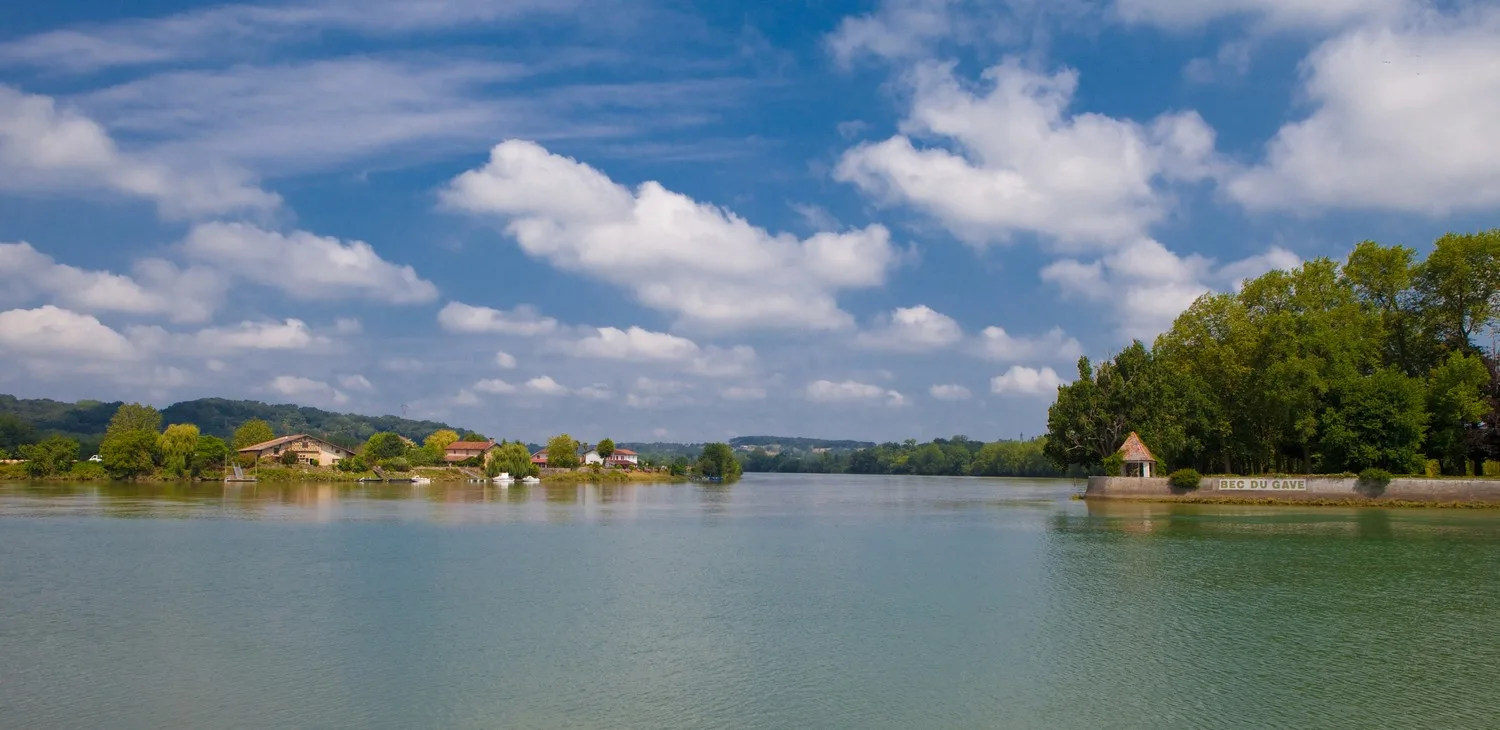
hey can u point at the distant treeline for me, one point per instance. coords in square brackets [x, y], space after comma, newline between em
[957, 456]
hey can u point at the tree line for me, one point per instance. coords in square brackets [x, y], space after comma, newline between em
[957, 456]
[1333, 367]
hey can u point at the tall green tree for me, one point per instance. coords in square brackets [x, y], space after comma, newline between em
[606, 449]
[384, 445]
[562, 452]
[178, 444]
[252, 432]
[210, 454]
[50, 457]
[440, 439]
[1378, 421]
[130, 447]
[1457, 404]
[1382, 277]
[717, 462]
[512, 459]
[1459, 286]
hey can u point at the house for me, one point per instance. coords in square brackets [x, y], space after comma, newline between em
[592, 457]
[309, 450]
[465, 450]
[539, 458]
[623, 457]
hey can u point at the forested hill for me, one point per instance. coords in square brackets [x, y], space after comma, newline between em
[85, 421]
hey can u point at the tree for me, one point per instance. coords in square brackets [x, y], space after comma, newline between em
[1382, 277]
[178, 444]
[1459, 286]
[718, 462]
[51, 457]
[512, 459]
[606, 449]
[131, 445]
[211, 453]
[439, 440]
[1456, 402]
[1377, 421]
[384, 445]
[15, 433]
[562, 452]
[252, 432]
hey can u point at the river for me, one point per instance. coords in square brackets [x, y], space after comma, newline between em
[783, 601]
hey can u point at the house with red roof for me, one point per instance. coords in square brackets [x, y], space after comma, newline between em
[465, 450]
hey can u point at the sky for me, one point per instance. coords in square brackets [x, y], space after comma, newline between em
[666, 220]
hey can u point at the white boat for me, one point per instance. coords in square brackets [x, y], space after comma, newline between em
[421, 480]
[503, 478]
[531, 480]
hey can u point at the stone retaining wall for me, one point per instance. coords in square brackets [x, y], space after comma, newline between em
[1318, 488]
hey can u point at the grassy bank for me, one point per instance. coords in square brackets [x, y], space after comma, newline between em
[607, 476]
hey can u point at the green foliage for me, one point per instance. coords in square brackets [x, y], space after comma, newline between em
[219, 417]
[15, 432]
[384, 445]
[252, 432]
[288, 458]
[562, 452]
[513, 459]
[426, 455]
[606, 448]
[87, 471]
[51, 457]
[1185, 479]
[1113, 465]
[131, 446]
[398, 464]
[439, 440]
[1325, 368]
[956, 456]
[211, 454]
[178, 444]
[1375, 479]
[679, 466]
[718, 462]
[354, 463]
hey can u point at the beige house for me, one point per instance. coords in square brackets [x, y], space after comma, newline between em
[465, 450]
[309, 450]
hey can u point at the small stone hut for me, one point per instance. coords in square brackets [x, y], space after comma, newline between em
[1139, 461]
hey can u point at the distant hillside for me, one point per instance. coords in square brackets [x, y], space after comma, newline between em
[86, 420]
[788, 443]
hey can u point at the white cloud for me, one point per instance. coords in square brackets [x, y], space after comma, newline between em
[218, 30]
[356, 382]
[49, 331]
[1024, 381]
[292, 334]
[901, 30]
[1024, 164]
[44, 148]
[306, 266]
[702, 263]
[913, 329]
[505, 360]
[494, 386]
[898, 29]
[1318, 14]
[545, 385]
[634, 344]
[466, 397]
[850, 391]
[294, 386]
[1276, 257]
[950, 392]
[523, 321]
[743, 393]
[1402, 120]
[597, 391]
[994, 343]
[163, 289]
[348, 326]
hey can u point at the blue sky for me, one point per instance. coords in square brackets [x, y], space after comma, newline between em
[689, 221]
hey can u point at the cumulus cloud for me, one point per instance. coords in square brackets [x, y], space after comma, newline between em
[699, 262]
[850, 391]
[295, 386]
[1024, 164]
[950, 392]
[292, 334]
[994, 343]
[356, 381]
[545, 385]
[1025, 381]
[1274, 14]
[306, 266]
[523, 321]
[494, 386]
[636, 344]
[1441, 79]
[597, 391]
[47, 148]
[348, 326]
[505, 360]
[160, 288]
[50, 331]
[912, 329]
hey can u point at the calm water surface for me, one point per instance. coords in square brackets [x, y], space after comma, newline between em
[779, 602]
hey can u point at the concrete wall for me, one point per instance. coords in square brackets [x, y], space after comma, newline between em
[1318, 488]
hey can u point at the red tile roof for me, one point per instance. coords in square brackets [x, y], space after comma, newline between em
[262, 446]
[469, 445]
[1135, 450]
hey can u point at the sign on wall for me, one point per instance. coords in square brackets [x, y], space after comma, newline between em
[1278, 485]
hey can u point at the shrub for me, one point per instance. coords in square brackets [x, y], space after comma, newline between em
[1114, 464]
[87, 470]
[1374, 479]
[1185, 479]
[288, 458]
[397, 464]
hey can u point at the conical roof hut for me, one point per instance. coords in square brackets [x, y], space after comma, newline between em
[1139, 461]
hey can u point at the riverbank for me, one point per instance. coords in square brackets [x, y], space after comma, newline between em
[602, 476]
[1316, 491]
